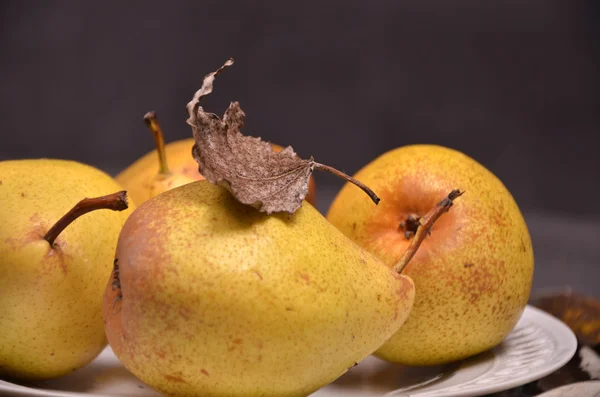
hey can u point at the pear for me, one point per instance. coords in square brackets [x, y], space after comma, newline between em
[142, 180]
[472, 274]
[52, 280]
[211, 297]
[176, 167]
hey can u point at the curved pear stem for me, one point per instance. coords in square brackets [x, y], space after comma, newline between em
[425, 224]
[152, 123]
[116, 202]
[340, 174]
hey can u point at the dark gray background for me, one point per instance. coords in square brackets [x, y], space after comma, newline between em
[513, 84]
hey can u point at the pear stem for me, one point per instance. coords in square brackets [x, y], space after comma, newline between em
[425, 224]
[342, 175]
[152, 123]
[116, 202]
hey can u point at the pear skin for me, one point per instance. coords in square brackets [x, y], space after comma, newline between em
[215, 298]
[51, 296]
[472, 275]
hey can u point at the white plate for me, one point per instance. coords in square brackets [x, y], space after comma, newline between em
[538, 345]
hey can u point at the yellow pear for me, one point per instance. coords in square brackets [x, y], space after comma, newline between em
[176, 167]
[52, 280]
[211, 297]
[472, 274]
[151, 175]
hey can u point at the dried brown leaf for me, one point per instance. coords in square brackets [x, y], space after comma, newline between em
[580, 312]
[247, 166]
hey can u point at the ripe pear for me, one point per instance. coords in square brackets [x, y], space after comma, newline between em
[211, 297]
[52, 280]
[472, 274]
[144, 180]
[176, 167]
